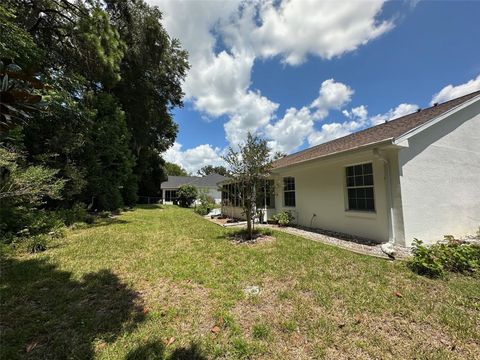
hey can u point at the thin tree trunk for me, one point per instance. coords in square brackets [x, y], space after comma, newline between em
[249, 224]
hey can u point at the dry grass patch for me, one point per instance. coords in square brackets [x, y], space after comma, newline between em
[184, 305]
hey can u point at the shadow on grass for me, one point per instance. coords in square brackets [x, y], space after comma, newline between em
[46, 314]
[156, 350]
[99, 222]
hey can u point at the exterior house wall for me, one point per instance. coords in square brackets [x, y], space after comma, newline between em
[320, 189]
[440, 178]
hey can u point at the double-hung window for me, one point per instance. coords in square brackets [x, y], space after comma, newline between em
[289, 191]
[360, 187]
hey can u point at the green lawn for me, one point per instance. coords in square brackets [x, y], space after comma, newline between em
[153, 283]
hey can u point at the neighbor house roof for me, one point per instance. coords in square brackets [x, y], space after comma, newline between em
[174, 182]
[376, 134]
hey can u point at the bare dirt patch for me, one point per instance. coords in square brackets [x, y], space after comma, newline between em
[257, 239]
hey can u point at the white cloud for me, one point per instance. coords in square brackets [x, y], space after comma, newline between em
[332, 96]
[293, 29]
[399, 111]
[194, 158]
[289, 133]
[359, 112]
[451, 92]
[333, 131]
[219, 82]
[358, 119]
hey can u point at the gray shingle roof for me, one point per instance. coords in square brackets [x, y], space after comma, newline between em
[174, 182]
[389, 130]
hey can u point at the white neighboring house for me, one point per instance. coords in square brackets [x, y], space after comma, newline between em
[207, 184]
[417, 176]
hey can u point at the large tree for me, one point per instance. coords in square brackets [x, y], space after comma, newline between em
[174, 169]
[210, 169]
[152, 72]
[249, 167]
[87, 53]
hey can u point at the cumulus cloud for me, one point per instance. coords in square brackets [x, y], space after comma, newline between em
[195, 158]
[358, 119]
[332, 96]
[290, 132]
[359, 112]
[451, 92]
[219, 81]
[399, 111]
[294, 29]
[333, 131]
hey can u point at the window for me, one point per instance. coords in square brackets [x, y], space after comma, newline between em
[170, 195]
[266, 195]
[289, 191]
[360, 187]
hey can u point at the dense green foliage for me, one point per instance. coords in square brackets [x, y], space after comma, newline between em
[206, 203]
[186, 195]
[283, 218]
[449, 256]
[210, 169]
[87, 93]
[174, 169]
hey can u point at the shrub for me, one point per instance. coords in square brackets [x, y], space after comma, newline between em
[449, 256]
[425, 261]
[186, 195]
[202, 209]
[77, 213]
[283, 218]
[207, 203]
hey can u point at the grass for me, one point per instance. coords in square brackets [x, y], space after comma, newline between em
[167, 284]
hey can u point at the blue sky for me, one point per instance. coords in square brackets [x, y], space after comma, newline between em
[305, 72]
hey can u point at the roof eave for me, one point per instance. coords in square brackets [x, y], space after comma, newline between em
[388, 141]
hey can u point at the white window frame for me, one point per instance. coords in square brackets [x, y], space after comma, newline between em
[355, 186]
[289, 191]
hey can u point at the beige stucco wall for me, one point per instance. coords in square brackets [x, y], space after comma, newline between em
[440, 178]
[320, 190]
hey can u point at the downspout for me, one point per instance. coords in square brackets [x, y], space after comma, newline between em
[388, 180]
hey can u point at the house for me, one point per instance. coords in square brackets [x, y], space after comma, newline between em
[207, 184]
[417, 176]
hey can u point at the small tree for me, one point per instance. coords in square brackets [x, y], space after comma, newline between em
[249, 168]
[186, 195]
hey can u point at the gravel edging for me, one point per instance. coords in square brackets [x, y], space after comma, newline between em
[355, 244]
